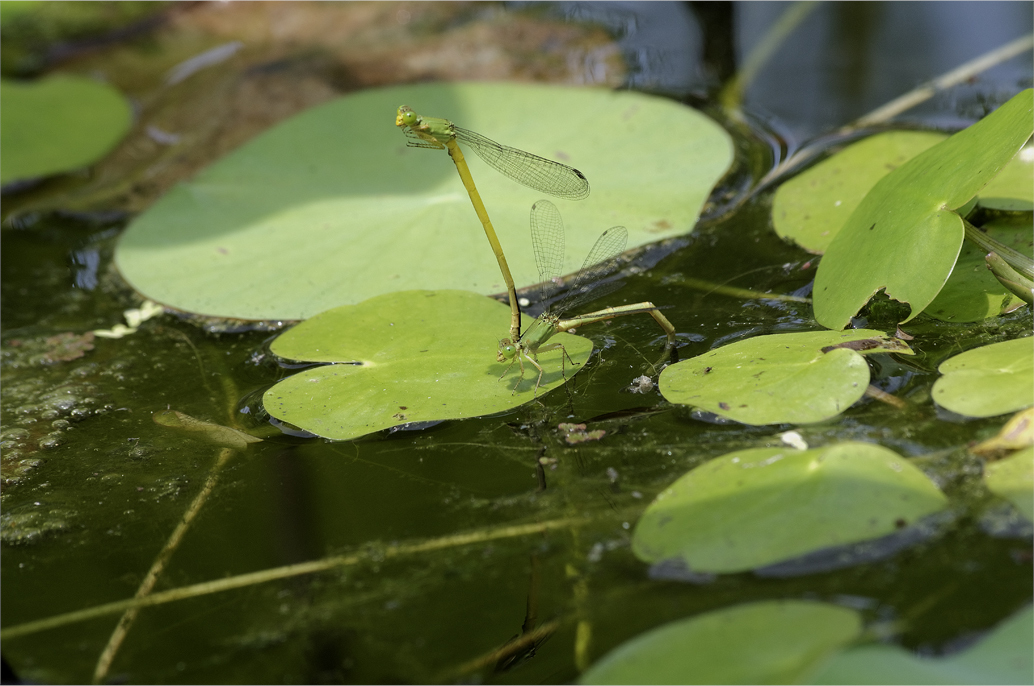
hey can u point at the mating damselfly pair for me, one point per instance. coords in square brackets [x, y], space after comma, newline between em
[547, 234]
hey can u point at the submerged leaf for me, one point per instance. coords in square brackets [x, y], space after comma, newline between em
[756, 507]
[904, 237]
[771, 642]
[988, 381]
[782, 378]
[218, 434]
[415, 356]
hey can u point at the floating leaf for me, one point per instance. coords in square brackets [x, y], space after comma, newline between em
[904, 237]
[220, 435]
[332, 208]
[1013, 479]
[783, 378]
[414, 356]
[772, 642]
[58, 124]
[1002, 657]
[988, 381]
[972, 293]
[810, 208]
[753, 508]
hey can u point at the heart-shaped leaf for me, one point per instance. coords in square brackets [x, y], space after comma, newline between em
[783, 378]
[772, 642]
[988, 381]
[756, 507]
[414, 356]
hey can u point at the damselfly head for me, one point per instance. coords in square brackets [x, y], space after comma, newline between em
[406, 116]
[506, 350]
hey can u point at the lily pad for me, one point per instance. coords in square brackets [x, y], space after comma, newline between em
[772, 642]
[810, 208]
[988, 381]
[1013, 479]
[782, 378]
[904, 237]
[1002, 657]
[58, 124]
[331, 207]
[415, 356]
[756, 507]
[972, 293]
[1013, 189]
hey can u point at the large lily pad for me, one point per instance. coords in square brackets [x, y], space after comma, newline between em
[772, 642]
[756, 507]
[988, 381]
[783, 378]
[414, 356]
[1013, 479]
[58, 124]
[1002, 657]
[810, 208]
[1013, 189]
[332, 208]
[904, 237]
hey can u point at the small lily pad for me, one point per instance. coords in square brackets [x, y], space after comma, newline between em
[756, 507]
[905, 236]
[810, 208]
[783, 378]
[772, 642]
[1002, 657]
[414, 356]
[988, 381]
[58, 124]
[1013, 479]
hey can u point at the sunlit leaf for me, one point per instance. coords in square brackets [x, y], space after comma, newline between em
[988, 381]
[1013, 479]
[772, 642]
[332, 208]
[810, 208]
[753, 508]
[904, 237]
[782, 378]
[1002, 657]
[58, 124]
[1017, 433]
[414, 356]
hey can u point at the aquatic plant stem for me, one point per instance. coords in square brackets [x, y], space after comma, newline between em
[302, 568]
[100, 672]
[475, 199]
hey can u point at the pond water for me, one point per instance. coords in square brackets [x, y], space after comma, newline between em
[428, 550]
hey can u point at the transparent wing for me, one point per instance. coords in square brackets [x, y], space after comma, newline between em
[545, 176]
[547, 239]
[588, 282]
